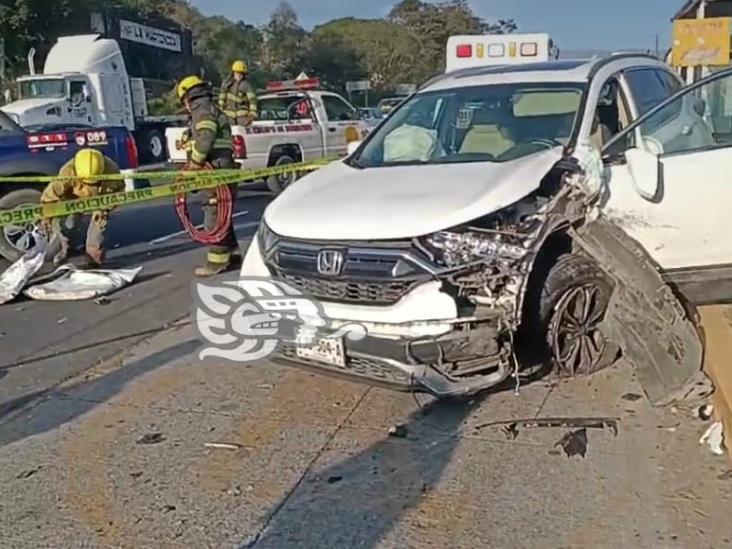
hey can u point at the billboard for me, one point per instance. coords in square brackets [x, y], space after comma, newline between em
[701, 42]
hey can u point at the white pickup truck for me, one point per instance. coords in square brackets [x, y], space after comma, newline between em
[296, 122]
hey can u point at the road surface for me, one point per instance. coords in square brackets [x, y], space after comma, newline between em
[107, 421]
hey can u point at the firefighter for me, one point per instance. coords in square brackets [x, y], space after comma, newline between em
[84, 170]
[209, 143]
[237, 98]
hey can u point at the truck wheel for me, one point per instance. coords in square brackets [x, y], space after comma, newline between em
[16, 240]
[573, 304]
[153, 147]
[278, 183]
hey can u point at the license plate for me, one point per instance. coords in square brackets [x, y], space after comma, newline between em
[329, 351]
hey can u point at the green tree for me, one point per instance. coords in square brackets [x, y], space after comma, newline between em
[284, 39]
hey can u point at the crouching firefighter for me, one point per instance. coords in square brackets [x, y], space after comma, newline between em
[79, 178]
[209, 146]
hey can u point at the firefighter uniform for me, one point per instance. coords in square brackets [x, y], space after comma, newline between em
[237, 99]
[86, 165]
[209, 142]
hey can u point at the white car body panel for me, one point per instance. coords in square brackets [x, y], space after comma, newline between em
[402, 201]
[668, 228]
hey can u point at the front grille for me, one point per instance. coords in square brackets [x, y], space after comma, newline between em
[378, 293]
[369, 368]
[376, 276]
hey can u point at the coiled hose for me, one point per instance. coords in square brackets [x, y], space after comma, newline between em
[224, 200]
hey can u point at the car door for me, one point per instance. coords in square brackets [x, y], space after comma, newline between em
[670, 187]
[341, 116]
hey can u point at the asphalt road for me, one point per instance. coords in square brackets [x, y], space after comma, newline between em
[107, 418]
[44, 343]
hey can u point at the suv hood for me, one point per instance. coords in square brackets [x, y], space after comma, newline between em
[343, 203]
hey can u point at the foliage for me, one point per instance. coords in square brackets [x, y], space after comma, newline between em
[407, 46]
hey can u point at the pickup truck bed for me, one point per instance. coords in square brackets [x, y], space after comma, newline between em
[42, 153]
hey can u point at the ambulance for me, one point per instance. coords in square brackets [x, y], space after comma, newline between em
[517, 216]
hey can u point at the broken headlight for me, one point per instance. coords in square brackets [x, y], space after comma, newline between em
[460, 248]
[266, 238]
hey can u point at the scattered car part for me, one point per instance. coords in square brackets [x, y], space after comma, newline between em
[714, 438]
[71, 284]
[16, 277]
[510, 427]
[574, 443]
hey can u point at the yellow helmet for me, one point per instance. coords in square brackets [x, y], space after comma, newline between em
[239, 66]
[88, 165]
[187, 84]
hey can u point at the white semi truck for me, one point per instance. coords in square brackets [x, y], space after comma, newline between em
[85, 83]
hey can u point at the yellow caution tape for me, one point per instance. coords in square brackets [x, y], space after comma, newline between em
[169, 174]
[203, 180]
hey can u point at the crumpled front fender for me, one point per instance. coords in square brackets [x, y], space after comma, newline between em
[645, 317]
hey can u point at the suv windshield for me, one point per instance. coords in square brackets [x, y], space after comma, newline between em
[494, 123]
[30, 89]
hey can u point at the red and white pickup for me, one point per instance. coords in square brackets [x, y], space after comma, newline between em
[296, 122]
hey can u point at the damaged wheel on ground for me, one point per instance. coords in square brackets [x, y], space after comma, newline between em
[574, 301]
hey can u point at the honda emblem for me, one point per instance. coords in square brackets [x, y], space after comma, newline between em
[330, 262]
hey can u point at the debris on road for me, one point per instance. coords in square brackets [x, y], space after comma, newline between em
[29, 473]
[398, 431]
[102, 301]
[17, 276]
[222, 445]
[631, 397]
[510, 427]
[335, 478]
[169, 508]
[714, 438]
[704, 412]
[151, 438]
[574, 443]
[62, 320]
[72, 284]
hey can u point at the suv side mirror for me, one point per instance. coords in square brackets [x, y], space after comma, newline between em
[645, 172]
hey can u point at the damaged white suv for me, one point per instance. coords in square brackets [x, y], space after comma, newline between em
[480, 219]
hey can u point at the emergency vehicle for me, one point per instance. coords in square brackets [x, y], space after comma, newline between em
[574, 209]
[297, 121]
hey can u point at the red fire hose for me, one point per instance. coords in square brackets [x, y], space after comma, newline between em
[225, 202]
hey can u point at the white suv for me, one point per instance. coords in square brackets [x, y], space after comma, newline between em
[481, 219]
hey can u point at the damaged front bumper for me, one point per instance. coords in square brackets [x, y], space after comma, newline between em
[474, 354]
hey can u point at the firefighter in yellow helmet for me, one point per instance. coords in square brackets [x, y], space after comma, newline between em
[79, 178]
[209, 142]
[237, 98]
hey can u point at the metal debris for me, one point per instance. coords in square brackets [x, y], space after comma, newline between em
[574, 443]
[510, 427]
[714, 438]
[398, 431]
[705, 412]
[151, 438]
[631, 397]
[62, 320]
[29, 473]
[169, 508]
[102, 301]
[222, 445]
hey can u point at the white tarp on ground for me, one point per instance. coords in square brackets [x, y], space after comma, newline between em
[15, 277]
[71, 284]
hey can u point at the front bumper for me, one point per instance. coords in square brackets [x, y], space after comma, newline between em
[421, 343]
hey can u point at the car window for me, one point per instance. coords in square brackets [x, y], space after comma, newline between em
[495, 123]
[337, 109]
[283, 108]
[648, 87]
[7, 125]
[700, 118]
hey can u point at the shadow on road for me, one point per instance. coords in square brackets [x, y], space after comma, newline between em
[358, 501]
[61, 407]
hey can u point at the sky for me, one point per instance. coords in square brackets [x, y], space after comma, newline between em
[573, 24]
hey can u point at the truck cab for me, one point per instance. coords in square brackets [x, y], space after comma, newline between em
[85, 84]
[516, 198]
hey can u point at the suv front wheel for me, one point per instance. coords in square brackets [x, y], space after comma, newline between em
[574, 301]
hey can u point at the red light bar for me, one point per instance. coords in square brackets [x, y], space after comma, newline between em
[47, 140]
[304, 84]
[464, 50]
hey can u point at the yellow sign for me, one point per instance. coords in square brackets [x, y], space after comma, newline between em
[701, 42]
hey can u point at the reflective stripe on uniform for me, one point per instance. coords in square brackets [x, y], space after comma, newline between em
[197, 156]
[207, 125]
[222, 144]
[218, 258]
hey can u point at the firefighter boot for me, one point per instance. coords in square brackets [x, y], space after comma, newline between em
[217, 262]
